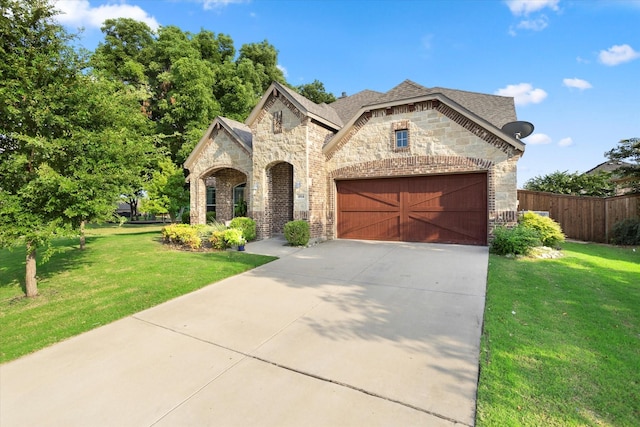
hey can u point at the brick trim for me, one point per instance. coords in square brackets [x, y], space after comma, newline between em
[407, 166]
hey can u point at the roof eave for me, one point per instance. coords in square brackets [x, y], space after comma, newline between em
[199, 146]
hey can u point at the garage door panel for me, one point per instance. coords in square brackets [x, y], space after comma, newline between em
[441, 208]
[458, 227]
[371, 226]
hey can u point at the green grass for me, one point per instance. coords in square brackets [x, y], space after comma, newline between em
[561, 340]
[123, 270]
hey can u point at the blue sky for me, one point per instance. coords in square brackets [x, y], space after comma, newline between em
[572, 66]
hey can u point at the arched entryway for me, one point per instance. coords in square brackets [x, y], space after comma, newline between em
[280, 196]
[223, 189]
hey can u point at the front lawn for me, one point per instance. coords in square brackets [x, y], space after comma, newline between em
[561, 340]
[123, 270]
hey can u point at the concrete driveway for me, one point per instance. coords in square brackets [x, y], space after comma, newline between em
[345, 333]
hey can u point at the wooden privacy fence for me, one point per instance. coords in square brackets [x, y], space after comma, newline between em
[582, 218]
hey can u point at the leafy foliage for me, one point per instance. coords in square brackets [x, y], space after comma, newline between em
[549, 231]
[315, 92]
[69, 140]
[626, 232]
[518, 240]
[182, 234]
[247, 225]
[576, 184]
[233, 237]
[297, 232]
[166, 191]
[628, 150]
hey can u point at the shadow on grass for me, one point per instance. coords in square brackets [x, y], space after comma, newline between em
[66, 256]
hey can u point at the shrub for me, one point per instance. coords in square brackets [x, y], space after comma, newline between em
[217, 240]
[247, 225]
[233, 237]
[211, 217]
[182, 234]
[186, 217]
[626, 232]
[518, 240]
[548, 230]
[297, 232]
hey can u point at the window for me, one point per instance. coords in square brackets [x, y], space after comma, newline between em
[402, 138]
[277, 122]
[239, 203]
[211, 199]
[400, 135]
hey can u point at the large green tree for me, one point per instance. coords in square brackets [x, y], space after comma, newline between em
[67, 138]
[577, 184]
[628, 151]
[316, 92]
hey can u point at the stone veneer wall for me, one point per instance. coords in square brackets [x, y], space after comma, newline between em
[220, 152]
[440, 141]
[269, 149]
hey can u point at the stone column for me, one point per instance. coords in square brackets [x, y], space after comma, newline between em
[198, 202]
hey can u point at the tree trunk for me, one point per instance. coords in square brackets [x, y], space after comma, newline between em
[82, 237]
[31, 284]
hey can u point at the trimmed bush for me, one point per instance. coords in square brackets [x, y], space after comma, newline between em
[549, 231]
[626, 232]
[233, 237]
[518, 240]
[297, 232]
[217, 240]
[182, 234]
[247, 225]
[211, 217]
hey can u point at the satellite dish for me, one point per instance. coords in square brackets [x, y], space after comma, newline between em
[518, 129]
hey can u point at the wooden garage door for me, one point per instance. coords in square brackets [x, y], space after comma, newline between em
[435, 209]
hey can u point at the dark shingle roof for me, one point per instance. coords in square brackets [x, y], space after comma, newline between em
[348, 106]
[240, 129]
[321, 110]
[495, 109]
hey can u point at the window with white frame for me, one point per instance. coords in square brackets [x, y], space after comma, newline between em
[400, 135]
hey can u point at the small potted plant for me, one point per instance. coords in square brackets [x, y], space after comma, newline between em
[233, 237]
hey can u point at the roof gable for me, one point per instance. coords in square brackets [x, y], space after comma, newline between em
[320, 112]
[409, 93]
[239, 133]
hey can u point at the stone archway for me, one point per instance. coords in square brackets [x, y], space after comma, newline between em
[224, 181]
[280, 197]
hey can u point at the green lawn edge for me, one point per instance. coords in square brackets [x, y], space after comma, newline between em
[561, 340]
[122, 271]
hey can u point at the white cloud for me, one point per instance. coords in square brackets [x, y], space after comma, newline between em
[284, 70]
[523, 93]
[80, 13]
[618, 54]
[217, 4]
[538, 139]
[537, 24]
[525, 7]
[565, 142]
[577, 83]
